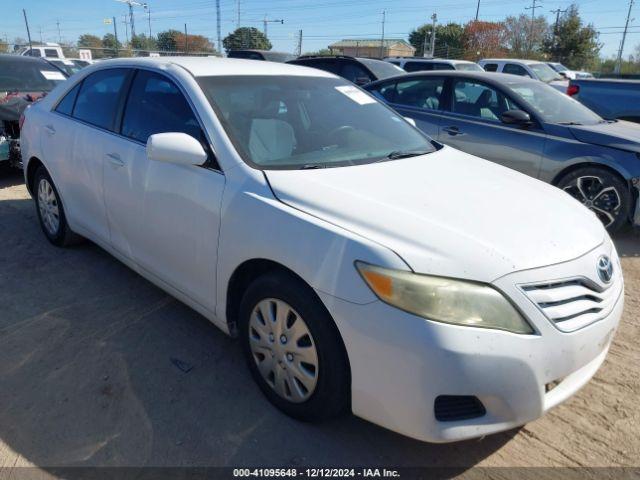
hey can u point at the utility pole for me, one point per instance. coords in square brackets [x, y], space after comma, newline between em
[624, 37]
[40, 30]
[557, 11]
[299, 49]
[26, 22]
[131, 3]
[148, 9]
[533, 7]
[477, 10]
[434, 19]
[218, 27]
[265, 21]
[238, 20]
[384, 18]
[126, 27]
[186, 39]
[424, 45]
[59, 36]
[115, 34]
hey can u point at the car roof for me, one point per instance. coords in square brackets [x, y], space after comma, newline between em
[511, 60]
[487, 77]
[21, 58]
[213, 66]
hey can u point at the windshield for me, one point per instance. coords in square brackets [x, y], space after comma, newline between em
[544, 72]
[468, 67]
[293, 122]
[28, 76]
[554, 106]
[382, 69]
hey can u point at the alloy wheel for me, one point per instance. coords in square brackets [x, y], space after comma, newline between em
[604, 200]
[48, 206]
[284, 350]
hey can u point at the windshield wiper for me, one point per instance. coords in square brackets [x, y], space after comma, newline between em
[396, 154]
[312, 166]
[569, 123]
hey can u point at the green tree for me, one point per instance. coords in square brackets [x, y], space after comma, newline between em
[246, 37]
[524, 39]
[142, 42]
[93, 43]
[167, 40]
[572, 43]
[319, 53]
[448, 39]
[109, 42]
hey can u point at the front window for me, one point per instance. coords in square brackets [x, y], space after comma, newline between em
[294, 122]
[477, 99]
[544, 72]
[554, 106]
[28, 76]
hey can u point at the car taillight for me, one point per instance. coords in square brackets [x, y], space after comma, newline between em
[573, 90]
[21, 121]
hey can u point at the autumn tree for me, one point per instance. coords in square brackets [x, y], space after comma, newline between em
[483, 39]
[93, 43]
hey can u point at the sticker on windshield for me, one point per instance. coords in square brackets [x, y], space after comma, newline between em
[49, 75]
[355, 94]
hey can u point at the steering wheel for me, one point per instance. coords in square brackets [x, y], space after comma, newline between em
[341, 132]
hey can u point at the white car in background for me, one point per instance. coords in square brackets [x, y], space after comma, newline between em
[363, 266]
[417, 64]
[569, 74]
[526, 68]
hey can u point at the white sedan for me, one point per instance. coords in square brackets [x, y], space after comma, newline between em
[363, 266]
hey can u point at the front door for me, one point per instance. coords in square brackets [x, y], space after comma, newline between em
[473, 125]
[164, 216]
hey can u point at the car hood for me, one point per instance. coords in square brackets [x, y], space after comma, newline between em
[619, 134]
[447, 213]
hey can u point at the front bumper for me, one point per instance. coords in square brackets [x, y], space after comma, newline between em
[400, 363]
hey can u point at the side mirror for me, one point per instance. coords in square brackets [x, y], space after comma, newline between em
[174, 147]
[411, 121]
[360, 81]
[516, 117]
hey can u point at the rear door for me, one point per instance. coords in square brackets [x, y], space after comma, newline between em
[420, 98]
[472, 124]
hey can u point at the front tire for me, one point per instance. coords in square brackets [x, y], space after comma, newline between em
[293, 348]
[51, 212]
[602, 192]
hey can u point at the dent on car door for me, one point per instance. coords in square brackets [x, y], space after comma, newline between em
[473, 125]
[422, 100]
[75, 135]
[163, 215]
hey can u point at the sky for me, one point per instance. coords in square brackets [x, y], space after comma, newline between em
[322, 21]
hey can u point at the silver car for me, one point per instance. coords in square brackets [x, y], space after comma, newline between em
[526, 125]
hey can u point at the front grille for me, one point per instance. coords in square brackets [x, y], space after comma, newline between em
[576, 303]
[450, 408]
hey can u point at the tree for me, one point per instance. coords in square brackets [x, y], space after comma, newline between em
[142, 42]
[246, 37]
[572, 43]
[167, 40]
[448, 39]
[319, 53]
[193, 43]
[524, 39]
[109, 42]
[483, 39]
[93, 43]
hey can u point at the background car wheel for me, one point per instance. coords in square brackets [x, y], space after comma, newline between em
[293, 348]
[51, 212]
[602, 192]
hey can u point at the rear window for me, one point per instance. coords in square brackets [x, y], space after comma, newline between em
[51, 53]
[418, 66]
[491, 67]
[19, 75]
[381, 69]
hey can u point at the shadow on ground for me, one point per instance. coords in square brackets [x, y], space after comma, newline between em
[99, 367]
[628, 242]
[10, 177]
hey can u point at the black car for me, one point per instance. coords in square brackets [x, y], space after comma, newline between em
[267, 55]
[23, 80]
[357, 70]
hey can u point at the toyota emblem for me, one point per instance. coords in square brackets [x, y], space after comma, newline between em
[605, 269]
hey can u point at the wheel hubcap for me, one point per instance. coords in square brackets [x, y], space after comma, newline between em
[597, 196]
[48, 206]
[290, 365]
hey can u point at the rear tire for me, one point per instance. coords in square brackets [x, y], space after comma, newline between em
[601, 191]
[295, 354]
[51, 212]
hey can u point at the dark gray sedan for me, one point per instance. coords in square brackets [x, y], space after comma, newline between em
[526, 125]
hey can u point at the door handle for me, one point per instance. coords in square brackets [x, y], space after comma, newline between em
[115, 159]
[453, 130]
[50, 130]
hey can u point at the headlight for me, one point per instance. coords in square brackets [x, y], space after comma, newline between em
[443, 299]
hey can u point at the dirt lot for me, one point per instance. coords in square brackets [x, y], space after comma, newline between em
[99, 367]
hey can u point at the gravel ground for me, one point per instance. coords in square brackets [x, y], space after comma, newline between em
[99, 367]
